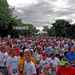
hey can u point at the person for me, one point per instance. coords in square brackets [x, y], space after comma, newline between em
[12, 63]
[21, 64]
[70, 55]
[29, 66]
[63, 62]
[3, 58]
[54, 62]
[1, 73]
[44, 65]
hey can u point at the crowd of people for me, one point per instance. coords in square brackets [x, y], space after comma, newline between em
[35, 55]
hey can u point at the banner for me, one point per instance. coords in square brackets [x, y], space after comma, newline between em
[65, 71]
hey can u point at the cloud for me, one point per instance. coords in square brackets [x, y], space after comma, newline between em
[21, 3]
[44, 12]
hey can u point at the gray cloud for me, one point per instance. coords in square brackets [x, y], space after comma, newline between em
[45, 12]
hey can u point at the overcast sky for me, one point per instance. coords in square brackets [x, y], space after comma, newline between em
[43, 12]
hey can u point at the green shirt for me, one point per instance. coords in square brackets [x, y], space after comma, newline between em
[63, 62]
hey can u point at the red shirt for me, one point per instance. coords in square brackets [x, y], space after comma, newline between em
[17, 51]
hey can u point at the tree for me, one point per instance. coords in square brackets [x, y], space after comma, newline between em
[51, 31]
[7, 22]
[60, 27]
[70, 31]
[45, 28]
[73, 30]
[4, 16]
[29, 31]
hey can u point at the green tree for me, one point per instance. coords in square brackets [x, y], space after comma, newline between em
[60, 27]
[4, 16]
[7, 22]
[70, 31]
[30, 30]
[46, 29]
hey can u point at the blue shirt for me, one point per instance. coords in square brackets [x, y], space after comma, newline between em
[48, 50]
[13, 62]
[70, 56]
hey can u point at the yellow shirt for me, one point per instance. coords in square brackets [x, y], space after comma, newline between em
[21, 60]
[21, 66]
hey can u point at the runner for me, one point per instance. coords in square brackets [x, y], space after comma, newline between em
[30, 68]
[12, 63]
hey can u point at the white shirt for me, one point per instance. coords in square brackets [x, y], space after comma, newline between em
[13, 62]
[30, 69]
[43, 63]
[2, 59]
[54, 61]
[37, 56]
